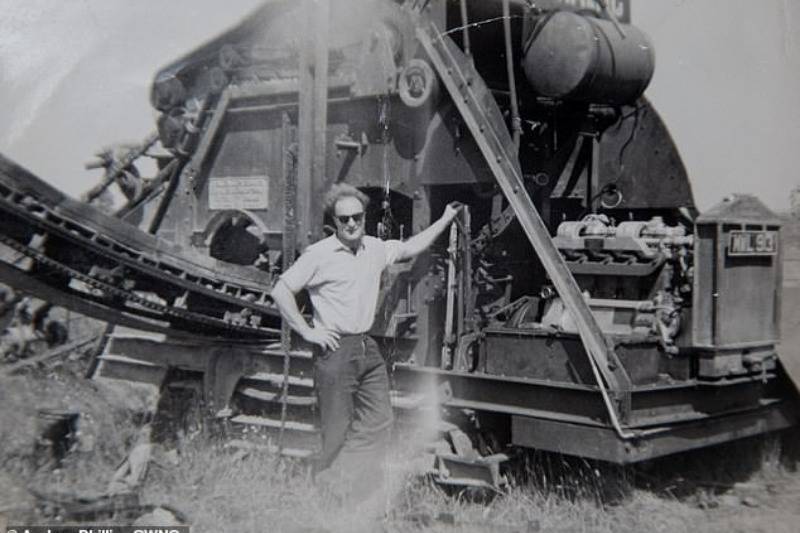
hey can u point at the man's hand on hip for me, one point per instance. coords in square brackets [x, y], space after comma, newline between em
[322, 337]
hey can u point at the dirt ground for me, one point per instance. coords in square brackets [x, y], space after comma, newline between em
[747, 486]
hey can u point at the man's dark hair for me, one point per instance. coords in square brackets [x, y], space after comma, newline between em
[343, 190]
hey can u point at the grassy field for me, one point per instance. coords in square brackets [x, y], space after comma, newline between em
[744, 486]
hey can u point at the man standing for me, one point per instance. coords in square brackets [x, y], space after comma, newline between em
[342, 275]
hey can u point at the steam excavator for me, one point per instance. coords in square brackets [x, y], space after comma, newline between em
[581, 305]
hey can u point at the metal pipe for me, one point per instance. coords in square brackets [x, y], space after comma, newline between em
[166, 198]
[516, 124]
[150, 191]
[116, 168]
[468, 304]
[452, 285]
[465, 28]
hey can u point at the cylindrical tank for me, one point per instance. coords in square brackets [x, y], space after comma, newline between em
[574, 57]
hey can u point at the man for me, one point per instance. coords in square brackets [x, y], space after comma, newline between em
[342, 275]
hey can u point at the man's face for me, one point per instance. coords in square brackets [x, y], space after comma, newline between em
[348, 215]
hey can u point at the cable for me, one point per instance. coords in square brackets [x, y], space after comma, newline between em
[636, 114]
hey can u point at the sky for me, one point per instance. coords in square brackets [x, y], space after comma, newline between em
[75, 77]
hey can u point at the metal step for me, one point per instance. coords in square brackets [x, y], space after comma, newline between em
[277, 379]
[275, 397]
[122, 332]
[275, 349]
[127, 368]
[300, 361]
[124, 359]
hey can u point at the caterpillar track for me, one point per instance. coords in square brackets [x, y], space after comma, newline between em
[76, 256]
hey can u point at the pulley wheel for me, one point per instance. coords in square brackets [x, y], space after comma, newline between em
[418, 85]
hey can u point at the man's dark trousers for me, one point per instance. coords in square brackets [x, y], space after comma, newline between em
[354, 406]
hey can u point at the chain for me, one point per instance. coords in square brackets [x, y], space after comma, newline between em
[289, 154]
[386, 227]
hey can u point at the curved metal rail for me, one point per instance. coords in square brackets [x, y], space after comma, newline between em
[112, 271]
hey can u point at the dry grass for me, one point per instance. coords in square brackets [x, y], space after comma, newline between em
[106, 428]
[226, 490]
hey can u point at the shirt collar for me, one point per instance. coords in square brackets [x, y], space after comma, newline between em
[339, 245]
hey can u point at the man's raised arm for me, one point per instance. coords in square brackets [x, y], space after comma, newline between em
[422, 240]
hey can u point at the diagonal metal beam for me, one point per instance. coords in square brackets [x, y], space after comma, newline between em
[477, 108]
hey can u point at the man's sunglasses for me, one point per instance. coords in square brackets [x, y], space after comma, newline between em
[345, 219]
